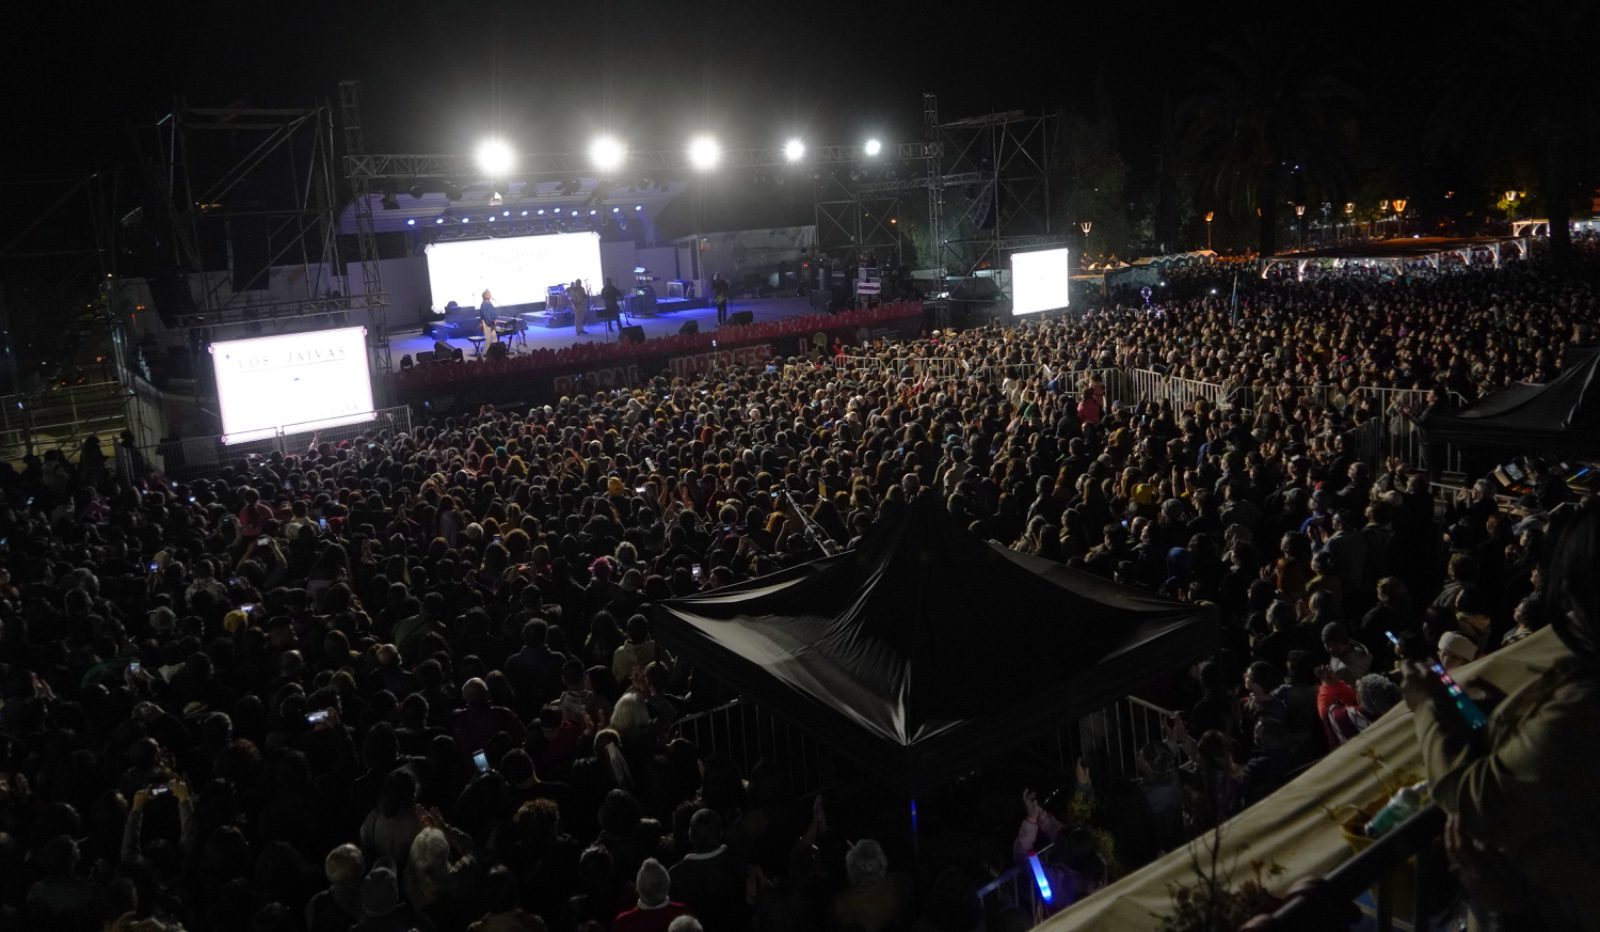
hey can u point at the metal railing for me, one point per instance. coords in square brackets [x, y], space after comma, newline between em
[1363, 888]
[61, 418]
[747, 734]
[206, 457]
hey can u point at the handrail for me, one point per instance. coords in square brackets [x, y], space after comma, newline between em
[1373, 867]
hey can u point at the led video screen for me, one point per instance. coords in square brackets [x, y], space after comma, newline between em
[516, 269]
[1039, 281]
[300, 381]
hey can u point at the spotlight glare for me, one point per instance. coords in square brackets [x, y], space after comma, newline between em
[541, 211]
[873, 147]
[704, 153]
[607, 153]
[466, 219]
[592, 211]
[794, 150]
[616, 210]
[438, 221]
[495, 158]
[411, 222]
[638, 207]
[505, 213]
[524, 213]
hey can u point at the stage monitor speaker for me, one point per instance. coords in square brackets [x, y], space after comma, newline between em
[742, 318]
[634, 334]
[689, 327]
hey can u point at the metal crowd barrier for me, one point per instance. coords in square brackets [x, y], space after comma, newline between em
[747, 734]
[206, 457]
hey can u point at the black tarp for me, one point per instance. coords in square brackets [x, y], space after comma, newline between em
[926, 652]
[1561, 417]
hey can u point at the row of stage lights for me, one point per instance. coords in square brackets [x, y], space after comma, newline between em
[497, 159]
[593, 212]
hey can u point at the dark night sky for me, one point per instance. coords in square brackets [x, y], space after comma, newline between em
[439, 75]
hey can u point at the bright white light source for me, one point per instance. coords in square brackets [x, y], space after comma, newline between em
[704, 153]
[299, 381]
[794, 150]
[873, 147]
[607, 153]
[517, 269]
[1039, 281]
[495, 158]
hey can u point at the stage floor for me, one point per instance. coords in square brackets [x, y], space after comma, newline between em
[765, 309]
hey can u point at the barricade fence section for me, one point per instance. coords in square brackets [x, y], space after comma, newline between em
[62, 418]
[747, 734]
[206, 457]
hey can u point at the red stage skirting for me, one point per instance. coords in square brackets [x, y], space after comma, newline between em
[546, 374]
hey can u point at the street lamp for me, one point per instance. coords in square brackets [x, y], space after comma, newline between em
[1086, 226]
[1210, 216]
[1399, 216]
[1349, 217]
[1299, 225]
[1511, 204]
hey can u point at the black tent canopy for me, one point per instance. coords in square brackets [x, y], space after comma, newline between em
[925, 652]
[1559, 418]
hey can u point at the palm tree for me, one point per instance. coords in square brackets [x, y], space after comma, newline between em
[1263, 123]
[1538, 101]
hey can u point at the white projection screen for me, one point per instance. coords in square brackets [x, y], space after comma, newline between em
[1039, 281]
[516, 269]
[305, 381]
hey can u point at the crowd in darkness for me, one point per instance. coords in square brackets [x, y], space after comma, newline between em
[408, 680]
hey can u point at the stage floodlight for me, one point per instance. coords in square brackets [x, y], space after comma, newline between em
[638, 207]
[495, 158]
[541, 211]
[466, 219]
[794, 150]
[411, 222]
[524, 213]
[873, 147]
[704, 153]
[438, 221]
[592, 211]
[607, 153]
[493, 218]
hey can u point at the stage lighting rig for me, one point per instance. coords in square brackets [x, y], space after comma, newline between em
[495, 158]
[872, 148]
[794, 150]
[607, 153]
[705, 153]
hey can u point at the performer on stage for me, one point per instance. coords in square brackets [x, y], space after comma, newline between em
[580, 305]
[487, 315]
[611, 296]
[719, 296]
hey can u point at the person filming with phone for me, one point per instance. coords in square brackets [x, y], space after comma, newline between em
[1523, 793]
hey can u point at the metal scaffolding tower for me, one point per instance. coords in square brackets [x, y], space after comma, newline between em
[994, 167]
[372, 297]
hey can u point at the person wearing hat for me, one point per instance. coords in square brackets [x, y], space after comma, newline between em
[1456, 649]
[655, 909]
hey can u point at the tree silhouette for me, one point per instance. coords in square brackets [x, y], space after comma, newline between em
[1537, 102]
[1265, 123]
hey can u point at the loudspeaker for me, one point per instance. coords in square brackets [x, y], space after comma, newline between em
[689, 327]
[634, 334]
[741, 318]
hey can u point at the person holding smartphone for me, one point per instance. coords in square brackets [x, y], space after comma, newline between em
[1522, 793]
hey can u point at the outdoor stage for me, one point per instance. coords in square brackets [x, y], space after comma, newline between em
[764, 309]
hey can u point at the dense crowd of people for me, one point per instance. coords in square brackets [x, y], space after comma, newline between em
[408, 680]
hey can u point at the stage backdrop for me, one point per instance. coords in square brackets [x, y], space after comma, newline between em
[517, 269]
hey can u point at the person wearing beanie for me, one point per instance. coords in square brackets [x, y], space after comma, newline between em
[1456, 649]
[655, 910]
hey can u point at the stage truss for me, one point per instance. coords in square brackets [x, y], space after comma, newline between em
[262, 184]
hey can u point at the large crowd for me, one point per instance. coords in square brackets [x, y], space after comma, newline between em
[407, 680]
